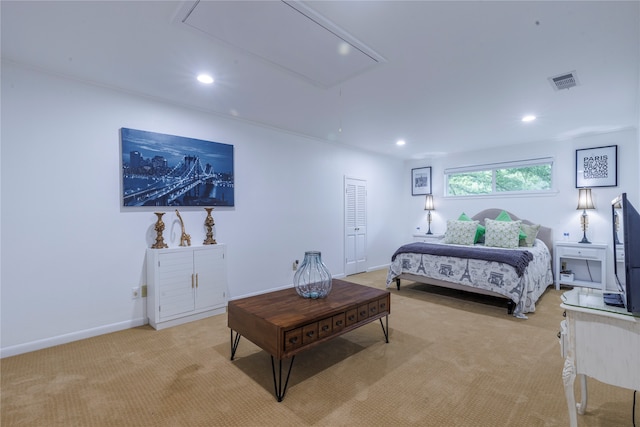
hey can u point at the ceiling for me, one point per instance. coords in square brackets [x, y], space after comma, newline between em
[445, 76]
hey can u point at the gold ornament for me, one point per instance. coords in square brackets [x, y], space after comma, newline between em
[159, 244]
[185, 239]
[209, 223]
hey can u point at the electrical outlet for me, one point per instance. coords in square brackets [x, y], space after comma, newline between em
[135, 293]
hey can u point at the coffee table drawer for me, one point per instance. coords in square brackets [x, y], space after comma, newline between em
[363, 312]
[309, 333]
[382, 305]
[325, 327]
[339, 322]
[373, 308]
[292, 339]
[352, 316]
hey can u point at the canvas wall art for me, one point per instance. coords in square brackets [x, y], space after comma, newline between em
[168, 170]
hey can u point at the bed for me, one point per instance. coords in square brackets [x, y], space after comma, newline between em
[520, 275]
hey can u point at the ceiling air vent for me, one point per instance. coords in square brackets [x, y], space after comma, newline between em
[564, 81]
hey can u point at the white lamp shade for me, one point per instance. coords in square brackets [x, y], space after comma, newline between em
[428, 203]
[584, 199]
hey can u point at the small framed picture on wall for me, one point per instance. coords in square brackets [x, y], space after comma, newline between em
[421, 181]
[597, 167]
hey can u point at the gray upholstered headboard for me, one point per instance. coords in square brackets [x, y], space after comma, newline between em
[544, 233]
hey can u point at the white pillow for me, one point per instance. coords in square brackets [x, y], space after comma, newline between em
[502, 234]
[460, 232]
[532, 232]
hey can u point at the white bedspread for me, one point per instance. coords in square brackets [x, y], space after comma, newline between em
[500, 278]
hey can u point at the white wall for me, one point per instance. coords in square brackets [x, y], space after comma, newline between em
[557, 210]
[71, 254]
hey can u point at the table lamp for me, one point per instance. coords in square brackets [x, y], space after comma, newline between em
[584, 202]
[428, 206]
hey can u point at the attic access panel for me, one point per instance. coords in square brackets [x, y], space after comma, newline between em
[289, 35]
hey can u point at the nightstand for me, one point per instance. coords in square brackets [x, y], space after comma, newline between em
[428, 238]
[587, 263]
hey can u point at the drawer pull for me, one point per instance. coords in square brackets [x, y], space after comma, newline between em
[325, 328]
[352, 317]
[363, 312]
[383, 306]
[293, 340]
[310, 334]
[339, 322]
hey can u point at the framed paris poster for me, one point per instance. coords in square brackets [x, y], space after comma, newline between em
[597, 167]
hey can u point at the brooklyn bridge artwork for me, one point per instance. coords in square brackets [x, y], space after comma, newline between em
[167, 170]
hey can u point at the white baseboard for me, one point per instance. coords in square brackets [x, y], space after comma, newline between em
[378, 267]
[186, 319]
[70, 337]
[278, 288]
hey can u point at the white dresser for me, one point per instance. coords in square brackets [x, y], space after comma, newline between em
[185, 284]
[599, 341]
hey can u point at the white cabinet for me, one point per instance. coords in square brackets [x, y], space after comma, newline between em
[185, 284]
[599, 341]
[428, 238]
[586, 261]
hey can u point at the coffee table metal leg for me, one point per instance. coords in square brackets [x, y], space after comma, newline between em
[385, 329]
[277, 384]
[234, 343]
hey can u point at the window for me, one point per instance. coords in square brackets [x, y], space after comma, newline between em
[500, 178]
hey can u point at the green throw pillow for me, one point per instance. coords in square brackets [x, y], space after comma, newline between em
[479, 230]
[504, 216]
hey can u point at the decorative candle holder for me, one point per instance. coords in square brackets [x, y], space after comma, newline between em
[159, 244]
[209, 223]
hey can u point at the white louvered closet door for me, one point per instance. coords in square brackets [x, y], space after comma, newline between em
[355, 218]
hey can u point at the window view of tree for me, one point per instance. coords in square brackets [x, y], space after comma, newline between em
[531, 178]
[470, 183]
[511, 177]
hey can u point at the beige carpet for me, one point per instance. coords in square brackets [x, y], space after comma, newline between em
[452, 360]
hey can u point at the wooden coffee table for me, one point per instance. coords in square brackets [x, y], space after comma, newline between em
[283, 324]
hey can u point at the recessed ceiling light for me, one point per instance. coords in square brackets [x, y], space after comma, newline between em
[344, 48]
[528, 118]
[205, 78]
[400, 142]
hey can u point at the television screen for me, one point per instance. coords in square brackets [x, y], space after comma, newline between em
[626, 251]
